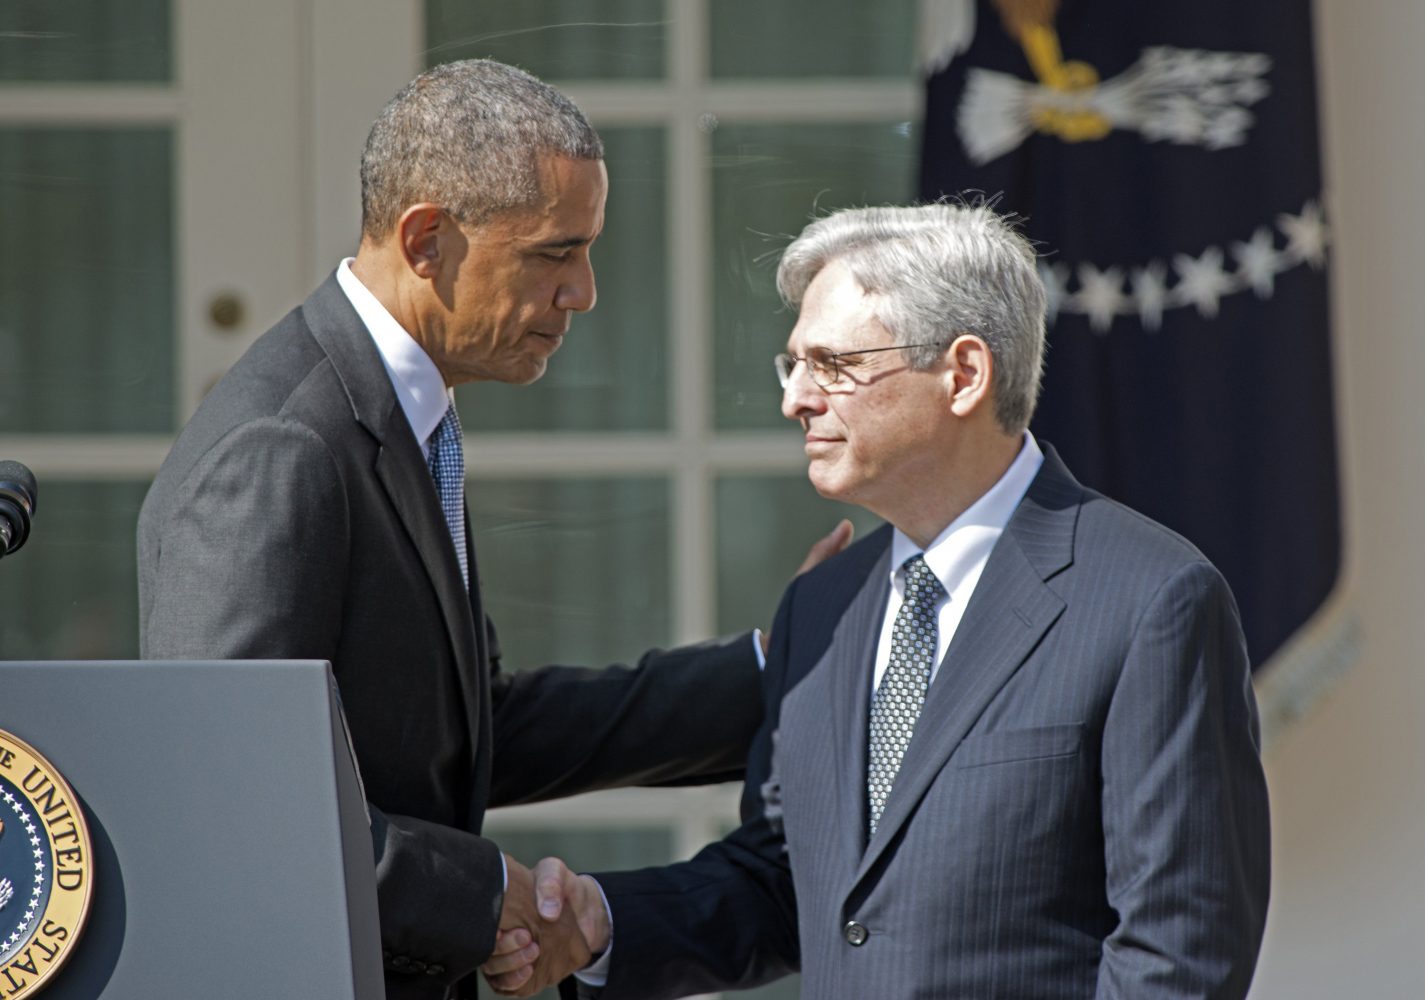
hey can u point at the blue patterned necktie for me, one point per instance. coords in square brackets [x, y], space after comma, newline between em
[896, 703]
[447, 468]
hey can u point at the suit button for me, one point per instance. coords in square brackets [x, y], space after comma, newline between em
[855, 934]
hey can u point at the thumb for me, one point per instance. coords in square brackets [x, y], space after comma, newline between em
[550, 876]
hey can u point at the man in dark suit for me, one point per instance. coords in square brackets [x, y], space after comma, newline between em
[1010, 746]
[313, 508]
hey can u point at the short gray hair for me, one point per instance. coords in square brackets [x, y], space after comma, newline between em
[935, 272]
[467, 136]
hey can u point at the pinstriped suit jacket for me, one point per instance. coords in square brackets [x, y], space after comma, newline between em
[1081, 812]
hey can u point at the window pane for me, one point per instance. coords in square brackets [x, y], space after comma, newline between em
[573, 570]
[553, 39]
[611, 374]
[85, 40]
[812, 38]
[764, 526]
[86, 280]
[768, 182]
[71, 593]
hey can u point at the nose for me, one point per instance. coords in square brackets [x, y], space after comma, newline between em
[577, 292]
[802, 397]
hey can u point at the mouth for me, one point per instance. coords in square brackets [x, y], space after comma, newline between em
[552, 340]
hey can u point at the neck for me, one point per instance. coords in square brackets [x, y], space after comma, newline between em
[384, 279]
[951, 486]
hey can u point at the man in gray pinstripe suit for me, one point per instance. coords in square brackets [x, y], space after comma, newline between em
[1010, 746]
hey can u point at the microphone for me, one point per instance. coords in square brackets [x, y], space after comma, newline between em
[17, 505]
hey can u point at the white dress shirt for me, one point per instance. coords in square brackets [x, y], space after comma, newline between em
[958, 555]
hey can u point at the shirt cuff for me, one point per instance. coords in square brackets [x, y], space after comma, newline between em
[505, 873]
[596, 973]
[757, 648]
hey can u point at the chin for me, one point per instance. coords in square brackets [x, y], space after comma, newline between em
[827, 484]
[526, 371]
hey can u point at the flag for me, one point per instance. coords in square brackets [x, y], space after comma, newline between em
[1165, 159]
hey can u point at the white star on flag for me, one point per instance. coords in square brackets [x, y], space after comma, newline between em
[1306, 234]
[1150, 291]
[1202, 280]
[1258, 261]
[1056, 287]
[1100, 295]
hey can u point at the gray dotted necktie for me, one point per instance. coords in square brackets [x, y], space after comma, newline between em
[447, 468]
[896, 703]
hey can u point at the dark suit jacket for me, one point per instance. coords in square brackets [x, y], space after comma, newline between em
[296, 518]
[1081, 811]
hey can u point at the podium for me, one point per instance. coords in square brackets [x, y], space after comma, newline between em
[231, 847]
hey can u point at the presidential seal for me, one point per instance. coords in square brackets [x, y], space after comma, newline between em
[46, 869]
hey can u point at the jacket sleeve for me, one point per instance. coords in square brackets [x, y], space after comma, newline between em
[1184, 802]
[681, 716]
[727, 919]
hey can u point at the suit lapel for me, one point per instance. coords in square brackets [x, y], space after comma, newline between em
[1008, 614]
[847, 665]
[403, 473]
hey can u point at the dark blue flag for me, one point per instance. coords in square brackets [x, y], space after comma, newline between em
[1165, 158]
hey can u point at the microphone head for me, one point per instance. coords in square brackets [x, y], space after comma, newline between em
[17, 505]
[19, 481]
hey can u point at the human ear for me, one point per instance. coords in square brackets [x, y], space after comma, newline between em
[969, 367]
[418, 232]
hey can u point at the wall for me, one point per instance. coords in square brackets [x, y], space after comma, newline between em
[1348, 793]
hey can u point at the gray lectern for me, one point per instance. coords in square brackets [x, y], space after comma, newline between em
[232, 854]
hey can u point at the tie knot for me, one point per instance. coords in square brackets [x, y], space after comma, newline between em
[922, 586]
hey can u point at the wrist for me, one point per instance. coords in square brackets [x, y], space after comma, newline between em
[597, 925]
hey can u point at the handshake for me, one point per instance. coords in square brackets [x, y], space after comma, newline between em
[552, 923]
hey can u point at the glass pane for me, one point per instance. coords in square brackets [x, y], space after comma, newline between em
[818, 38]
[86, 40]
[71, 593]
[86, 280]
[611, 374]
[573, 570]
[768, 182]
[764, 526]
[553, 39]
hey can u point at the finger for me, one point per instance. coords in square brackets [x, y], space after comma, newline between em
[838, 538]
[549, 887]
[510, 941]
[499, 964]
[510, 982]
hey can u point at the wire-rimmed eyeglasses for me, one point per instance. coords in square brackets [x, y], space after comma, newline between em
[823, 364]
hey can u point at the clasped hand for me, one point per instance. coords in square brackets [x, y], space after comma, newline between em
[552, 922]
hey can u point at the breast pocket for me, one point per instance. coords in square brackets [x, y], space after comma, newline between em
[1009, 745]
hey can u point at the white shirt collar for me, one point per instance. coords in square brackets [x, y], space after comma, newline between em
[959, 553]
[419, 388]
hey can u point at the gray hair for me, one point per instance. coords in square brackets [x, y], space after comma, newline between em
[935, 272]
[467, 136]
